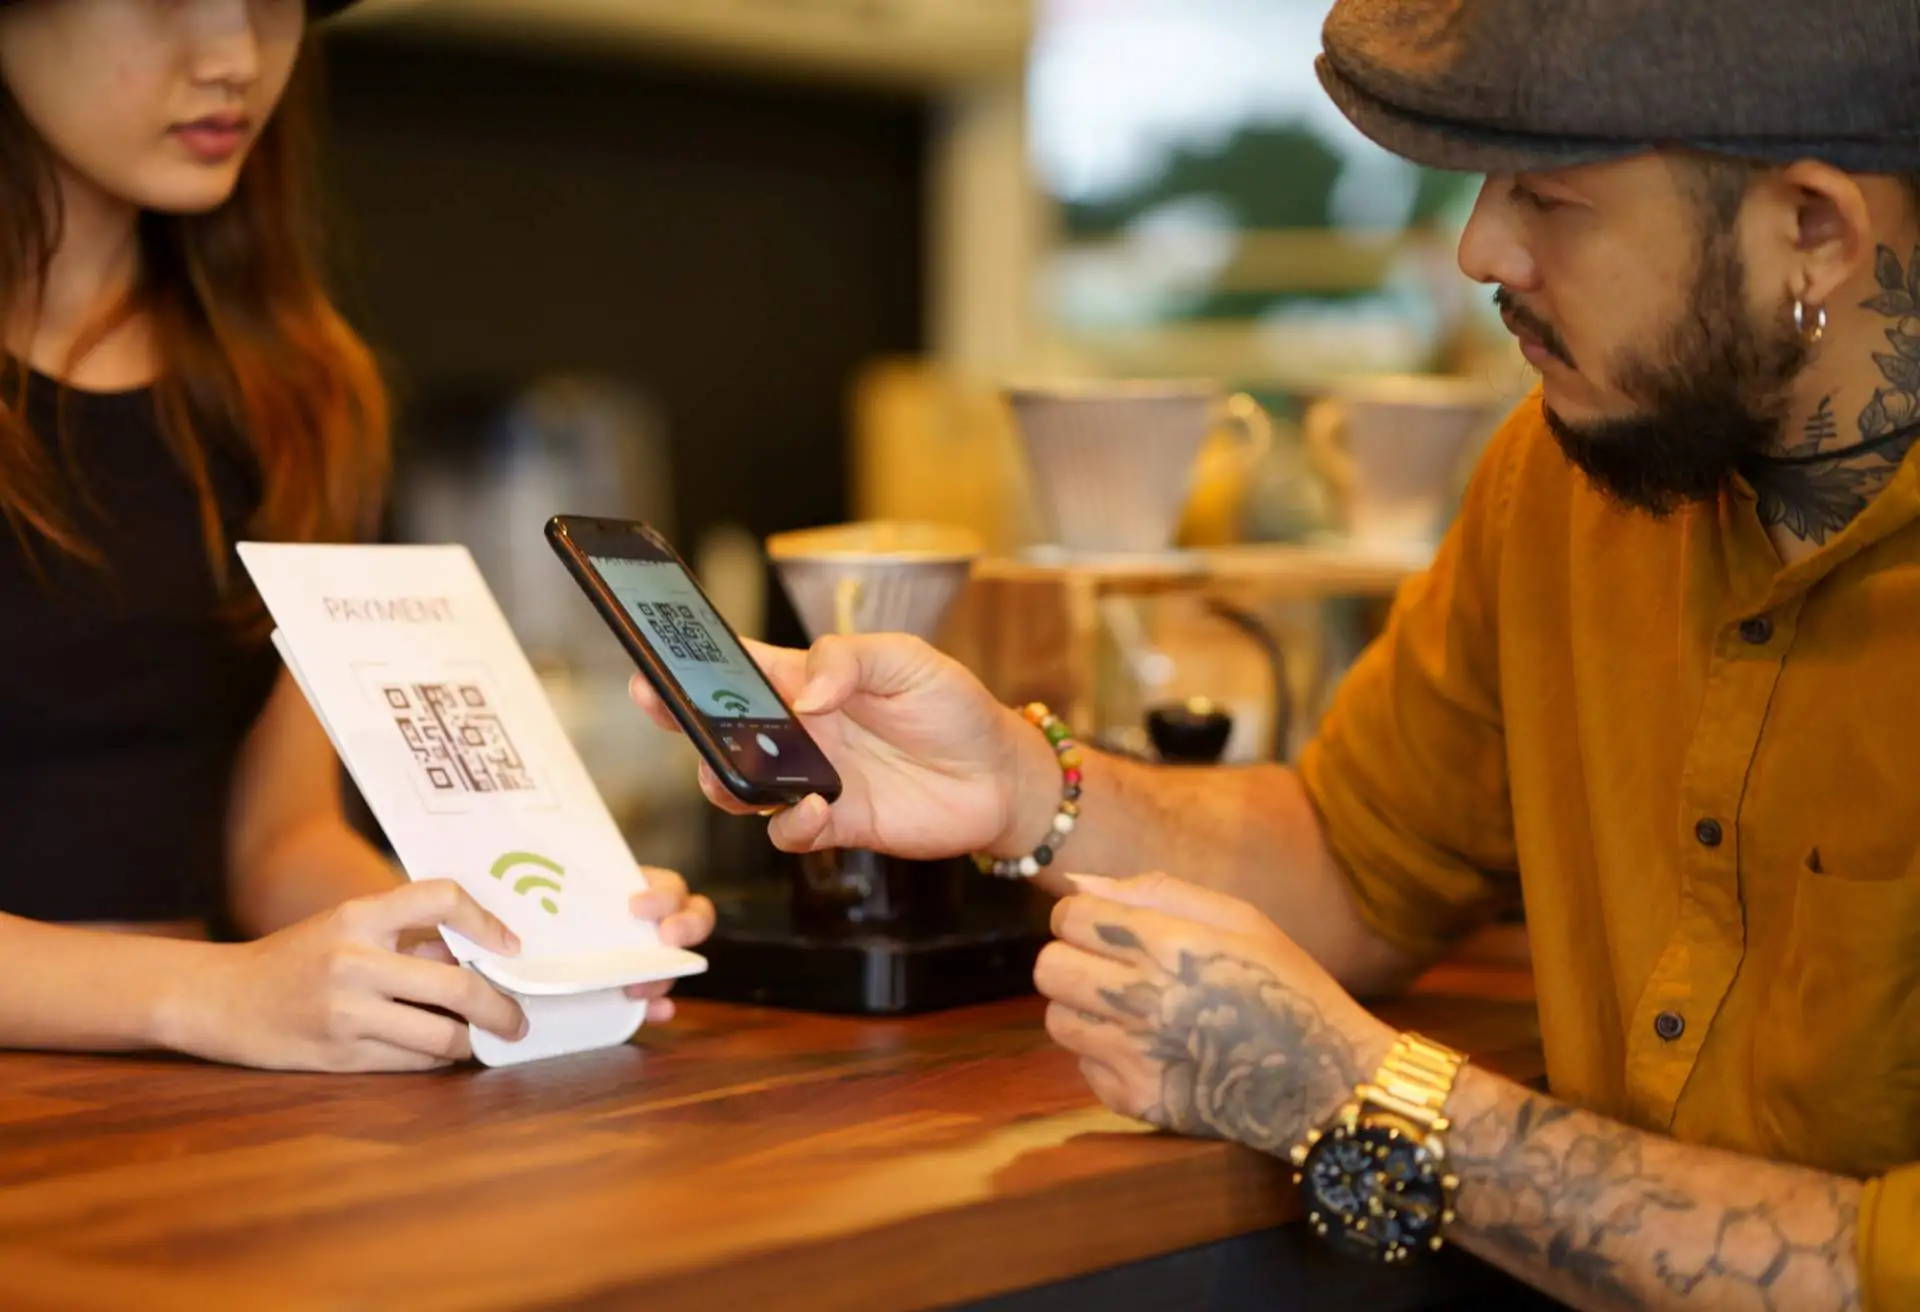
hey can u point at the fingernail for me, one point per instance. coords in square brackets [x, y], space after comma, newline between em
[812, 699]
[511, 939]
[525, 1025]
[645, 906]
[1091, 883]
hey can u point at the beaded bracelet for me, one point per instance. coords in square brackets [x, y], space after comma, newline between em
[1068, 751]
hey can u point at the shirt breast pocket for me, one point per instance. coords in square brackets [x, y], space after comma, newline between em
[1837, 1050]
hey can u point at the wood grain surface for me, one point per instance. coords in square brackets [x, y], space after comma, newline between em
[737, 1158]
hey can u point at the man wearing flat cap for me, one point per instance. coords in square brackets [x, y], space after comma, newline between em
[1662, 684]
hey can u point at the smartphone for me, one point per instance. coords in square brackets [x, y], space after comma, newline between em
[743, 729]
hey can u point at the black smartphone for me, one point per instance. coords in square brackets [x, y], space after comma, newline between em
[692, 657]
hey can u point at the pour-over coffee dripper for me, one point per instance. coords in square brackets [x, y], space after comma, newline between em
[883, 576]
[1113, 461]
[876, 577]
[1390, 447]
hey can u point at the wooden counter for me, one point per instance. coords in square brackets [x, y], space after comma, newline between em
[736, 1158]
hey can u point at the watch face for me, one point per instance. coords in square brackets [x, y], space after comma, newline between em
[1374, 1192]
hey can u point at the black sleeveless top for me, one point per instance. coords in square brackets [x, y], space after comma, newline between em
[125, 693]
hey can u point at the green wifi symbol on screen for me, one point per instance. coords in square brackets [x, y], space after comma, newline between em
[527, 883]
[732, 702]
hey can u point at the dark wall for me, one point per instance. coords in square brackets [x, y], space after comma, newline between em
[737, 250]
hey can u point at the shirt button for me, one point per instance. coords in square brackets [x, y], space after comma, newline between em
[1669, 1025]
[1708, 832]
[1758, 631]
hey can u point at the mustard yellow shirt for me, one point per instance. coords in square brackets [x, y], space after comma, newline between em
[1701, 771]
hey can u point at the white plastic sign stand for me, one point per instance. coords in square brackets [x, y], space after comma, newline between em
[407, 661]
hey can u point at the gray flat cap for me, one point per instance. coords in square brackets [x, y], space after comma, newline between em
[1513, 86]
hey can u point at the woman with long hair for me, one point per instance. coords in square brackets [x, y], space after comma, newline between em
[175, 378]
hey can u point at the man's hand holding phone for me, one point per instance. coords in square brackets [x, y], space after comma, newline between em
[930, 763]
[877, 741]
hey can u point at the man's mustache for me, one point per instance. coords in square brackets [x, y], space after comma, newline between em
[1522, 322]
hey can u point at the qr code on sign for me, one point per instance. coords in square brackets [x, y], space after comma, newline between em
[458, 742]
[680, 631]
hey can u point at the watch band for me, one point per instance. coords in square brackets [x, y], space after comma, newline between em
[1415, 1080]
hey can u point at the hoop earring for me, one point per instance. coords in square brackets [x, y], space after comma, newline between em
[1809, 333]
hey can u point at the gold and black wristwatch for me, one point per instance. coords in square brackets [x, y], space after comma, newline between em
[1374, 1178]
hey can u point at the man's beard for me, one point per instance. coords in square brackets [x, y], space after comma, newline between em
[1713, 396]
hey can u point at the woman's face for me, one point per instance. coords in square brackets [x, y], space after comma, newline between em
[154, 102]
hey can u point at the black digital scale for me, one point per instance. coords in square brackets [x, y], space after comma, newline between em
[966, 938]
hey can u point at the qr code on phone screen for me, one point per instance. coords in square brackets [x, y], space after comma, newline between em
[676, 628]
[458, 742]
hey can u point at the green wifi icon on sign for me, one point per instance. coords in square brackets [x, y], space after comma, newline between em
[527, 883]
[731, 702]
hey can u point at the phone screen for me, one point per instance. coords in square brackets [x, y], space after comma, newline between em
[716, 679]
[692, 641]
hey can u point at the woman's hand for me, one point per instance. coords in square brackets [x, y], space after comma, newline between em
[685, 921]
[347, 990]
[930, 764]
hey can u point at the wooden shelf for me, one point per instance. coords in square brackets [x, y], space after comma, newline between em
[1277, 570]
[1034, 629]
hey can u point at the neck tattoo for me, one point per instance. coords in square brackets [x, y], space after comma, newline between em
[1813, 489]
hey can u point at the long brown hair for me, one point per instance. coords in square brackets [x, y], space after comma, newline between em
[250, 348]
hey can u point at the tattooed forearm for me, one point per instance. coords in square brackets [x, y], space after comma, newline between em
[1241, 1055]
[1814, 488]
[1221, 1045]
[1606, 1216]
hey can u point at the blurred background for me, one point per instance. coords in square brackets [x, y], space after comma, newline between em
[743, 266]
